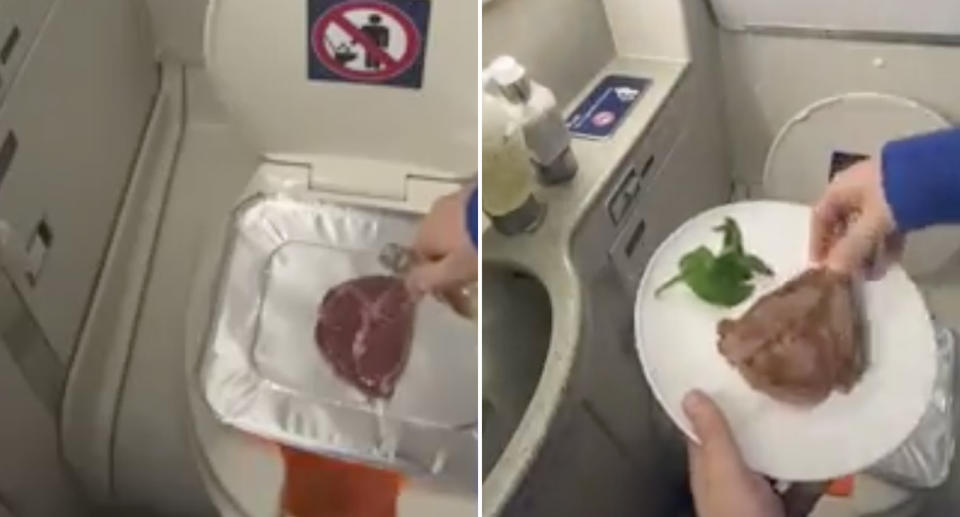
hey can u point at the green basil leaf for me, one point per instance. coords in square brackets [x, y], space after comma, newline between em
[731, 268]
[698, 258]
[722, 279]
[718, 290]
[701, 257]
[669, 283]
[756, 264]
[732, 237]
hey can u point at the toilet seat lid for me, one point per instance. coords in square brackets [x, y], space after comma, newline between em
[832, 133]
[259, 55]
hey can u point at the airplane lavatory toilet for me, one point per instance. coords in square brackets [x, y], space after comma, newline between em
[368, 104]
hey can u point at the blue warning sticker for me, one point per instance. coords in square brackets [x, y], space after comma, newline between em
[368, 41]
[599, 114]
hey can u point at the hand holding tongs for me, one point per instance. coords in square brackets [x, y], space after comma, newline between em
[401, 260]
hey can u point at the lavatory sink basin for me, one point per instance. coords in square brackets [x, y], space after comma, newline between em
[517, 323]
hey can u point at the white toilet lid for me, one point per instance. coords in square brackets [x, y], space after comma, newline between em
[262, 59]
[830, 133]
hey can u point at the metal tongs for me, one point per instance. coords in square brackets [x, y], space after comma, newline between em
[400, 260]
[397, 259]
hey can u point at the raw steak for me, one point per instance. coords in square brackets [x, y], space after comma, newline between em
[800, 341]
[364, 330]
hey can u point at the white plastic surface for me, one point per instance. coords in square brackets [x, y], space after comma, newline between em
[929, 17]
[505, 70]
[257, 57]
[676, 341]
[649, 29]
[798, 163]
[98, 369]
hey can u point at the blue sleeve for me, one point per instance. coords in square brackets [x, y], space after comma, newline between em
[473, 217]
[921, 179]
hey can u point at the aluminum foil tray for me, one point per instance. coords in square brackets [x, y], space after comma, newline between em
[263, 372]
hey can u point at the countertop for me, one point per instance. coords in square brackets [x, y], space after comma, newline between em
[546, 253]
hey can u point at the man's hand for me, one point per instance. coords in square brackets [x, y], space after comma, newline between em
[722, 484]
[446, 257]
[852, 223]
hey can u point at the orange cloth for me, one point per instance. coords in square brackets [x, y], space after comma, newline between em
[842, 487]
[316, 486]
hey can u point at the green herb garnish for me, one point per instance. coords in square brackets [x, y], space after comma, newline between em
[722, 279]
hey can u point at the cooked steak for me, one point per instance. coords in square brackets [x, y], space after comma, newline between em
[801, 341]
[364, 330]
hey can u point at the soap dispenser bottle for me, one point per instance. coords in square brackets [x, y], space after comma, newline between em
[544, 129]
[508, 176]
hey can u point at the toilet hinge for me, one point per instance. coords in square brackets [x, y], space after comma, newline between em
[360, 178]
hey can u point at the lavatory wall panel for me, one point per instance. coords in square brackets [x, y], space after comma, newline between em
[768, 79]
[33, 480]
[178, 28]
[563, 43]
[71, 127]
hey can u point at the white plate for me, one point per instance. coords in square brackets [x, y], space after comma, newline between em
[677, 342]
